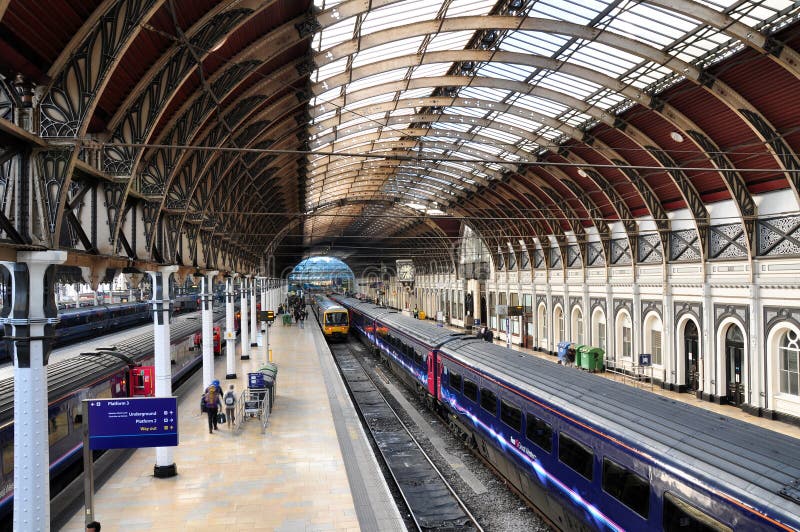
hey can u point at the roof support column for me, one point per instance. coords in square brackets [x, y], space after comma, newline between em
[669, 351]
[253, 324]
[207, 289]
[244, 322]
[230, 330]
[756, 383]
[31, 321]
[165, 464]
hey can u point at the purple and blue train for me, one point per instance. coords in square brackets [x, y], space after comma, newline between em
[590, 453]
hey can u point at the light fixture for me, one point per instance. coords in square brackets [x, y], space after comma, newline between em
[582, 172]
[677, 137]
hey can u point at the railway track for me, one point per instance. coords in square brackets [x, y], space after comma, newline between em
[431, 501]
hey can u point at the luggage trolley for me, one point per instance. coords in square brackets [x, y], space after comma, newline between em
[257, 399]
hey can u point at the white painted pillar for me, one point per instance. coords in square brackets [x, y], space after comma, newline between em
[611, 325]
[265, 303]
[165, 464]
[669, 350]
[587, 317]
[253, 313]
[207, 297]
[636, 327]
[535, 310]
[230, 331]
[32, 317]
[755, 393]
[244, 323]
[569, 336]
[708, 354]
[549, 319]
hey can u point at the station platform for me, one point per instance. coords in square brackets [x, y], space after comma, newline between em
[312, 470]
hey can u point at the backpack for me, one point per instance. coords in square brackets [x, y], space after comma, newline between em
[211, 397]
[230, 400]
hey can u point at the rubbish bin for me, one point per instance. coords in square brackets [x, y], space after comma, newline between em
[576, 353]
[421, 315]
[592, 358]
[562, 351]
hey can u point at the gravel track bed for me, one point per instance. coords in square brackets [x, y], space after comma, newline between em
[499, 509]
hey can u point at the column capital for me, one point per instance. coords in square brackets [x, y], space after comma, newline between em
[42, 257]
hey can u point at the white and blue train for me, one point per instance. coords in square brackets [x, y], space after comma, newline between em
[590, 453]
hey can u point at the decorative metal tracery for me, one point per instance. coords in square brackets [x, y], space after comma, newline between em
[779, 236]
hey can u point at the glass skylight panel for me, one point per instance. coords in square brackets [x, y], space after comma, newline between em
[467, 111]
[331, 69]
[482, 93]
[462, 8]
[423, 92]
[377, 79]
[533, 42]
[654, 25]
[450, 40]
[504, 71]
[337, 33]
[372, 100]
[399, 14]
[539, 104]
[577, 87]
[476, 149]
[387, 51]
[578, 12]
[611, 61]
[431, 70]
[498, 135]
[518, 121]
[454, 126]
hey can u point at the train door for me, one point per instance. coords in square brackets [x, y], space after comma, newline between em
[734, 356]
[691, 355]
[432, 388]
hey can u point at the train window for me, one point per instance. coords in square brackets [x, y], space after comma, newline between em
[576, 455]
[455, 381]
[8, 458]
[539, 432]
[489, 401]
[470, 390]
[511, 416]
[57, 427]
[680, 516]
[627, 487]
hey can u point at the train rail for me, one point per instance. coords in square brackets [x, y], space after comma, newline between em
[431, 501]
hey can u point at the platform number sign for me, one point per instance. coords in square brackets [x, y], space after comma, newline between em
[129, 423]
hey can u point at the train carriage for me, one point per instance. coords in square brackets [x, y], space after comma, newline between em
[594, 454]
[333, 318]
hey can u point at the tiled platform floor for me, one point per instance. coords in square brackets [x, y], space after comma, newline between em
[293, 478]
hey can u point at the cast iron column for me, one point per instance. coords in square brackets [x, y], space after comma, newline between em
[165, 465]
[244, 323]
[30, 316]
[230, 331]
[207, 295]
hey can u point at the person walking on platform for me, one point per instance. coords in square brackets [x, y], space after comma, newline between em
[212, 401]
[301, 318]
[230, 405]
[94, 526]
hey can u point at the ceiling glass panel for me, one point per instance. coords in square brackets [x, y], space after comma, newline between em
[485, 121]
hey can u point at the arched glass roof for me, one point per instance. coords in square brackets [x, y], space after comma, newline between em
[321, 273]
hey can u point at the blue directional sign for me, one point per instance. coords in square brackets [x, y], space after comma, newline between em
[128, 423]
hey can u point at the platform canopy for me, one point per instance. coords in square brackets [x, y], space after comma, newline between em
[374, 130]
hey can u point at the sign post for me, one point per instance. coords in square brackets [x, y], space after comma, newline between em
[125, 423]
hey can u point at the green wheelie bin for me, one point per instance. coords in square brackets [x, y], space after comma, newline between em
[591, 358]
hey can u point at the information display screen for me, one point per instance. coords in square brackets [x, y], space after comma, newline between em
[130, 423]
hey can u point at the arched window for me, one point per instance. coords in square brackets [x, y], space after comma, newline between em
[542, 325]
[789, 353]
[624, 334]
[653, 338]
[599, 329]
[558, 323]
[577, 325]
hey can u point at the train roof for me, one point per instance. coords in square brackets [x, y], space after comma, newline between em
[751, 462]
[424, 331]
[80, 371]
[325, 303]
